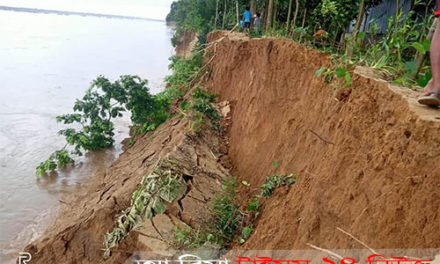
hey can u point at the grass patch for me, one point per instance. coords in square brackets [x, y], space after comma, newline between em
[199, 108]
[191, 239]
[275, 181]
[226, 222]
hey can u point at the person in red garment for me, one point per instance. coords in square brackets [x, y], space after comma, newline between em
[431, 96]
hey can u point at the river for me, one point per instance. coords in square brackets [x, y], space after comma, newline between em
[46, 62]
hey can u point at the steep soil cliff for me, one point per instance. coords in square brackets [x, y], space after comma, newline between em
[368, 157]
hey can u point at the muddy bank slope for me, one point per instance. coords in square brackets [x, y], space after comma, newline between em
[368, 158]
[78, 233]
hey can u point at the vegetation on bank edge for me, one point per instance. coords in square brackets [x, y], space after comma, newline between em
[399, 52]
[166, 184]
[221, 231]
[229, 221]
[91, 125]
[199, 107]
[92, 129]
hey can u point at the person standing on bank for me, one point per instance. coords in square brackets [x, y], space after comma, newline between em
[247, 17]
[431, 96]
[257, 23]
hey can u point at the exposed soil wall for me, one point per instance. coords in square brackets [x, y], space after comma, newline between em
[367, 156]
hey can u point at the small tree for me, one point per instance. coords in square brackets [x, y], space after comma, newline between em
[92, 118]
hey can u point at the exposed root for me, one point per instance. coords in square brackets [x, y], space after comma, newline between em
[357, 240]
[321, 138]
[325, 251]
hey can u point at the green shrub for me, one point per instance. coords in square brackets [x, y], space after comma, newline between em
[276, 181]
[340, 70]
[200, 106]
[189, 238]
[254, 204]
[228, 221]
[92, 118]
[246, 233]
[227, 216]
[59, 158]
[224, 225]
[184, 71]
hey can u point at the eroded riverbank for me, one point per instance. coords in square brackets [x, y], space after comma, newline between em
[366, 159]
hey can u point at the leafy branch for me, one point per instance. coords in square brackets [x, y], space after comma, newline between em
[340, 70]
[162, 186]
[92, 126]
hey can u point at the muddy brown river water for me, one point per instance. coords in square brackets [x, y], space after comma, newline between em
[46, 62]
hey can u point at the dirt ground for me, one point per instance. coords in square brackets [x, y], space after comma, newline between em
[368, 157]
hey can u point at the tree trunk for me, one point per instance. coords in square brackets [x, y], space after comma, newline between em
[289, 11]
[264, 15]
[365, 22]
[216, 14]
[236, 8]
[304, 18]
[303, 23]
[269, 15]
[253, 7]
[359, 20]
[224, 13]
[420, 58]
[296, 13]
[356, 28]
[275, 12]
